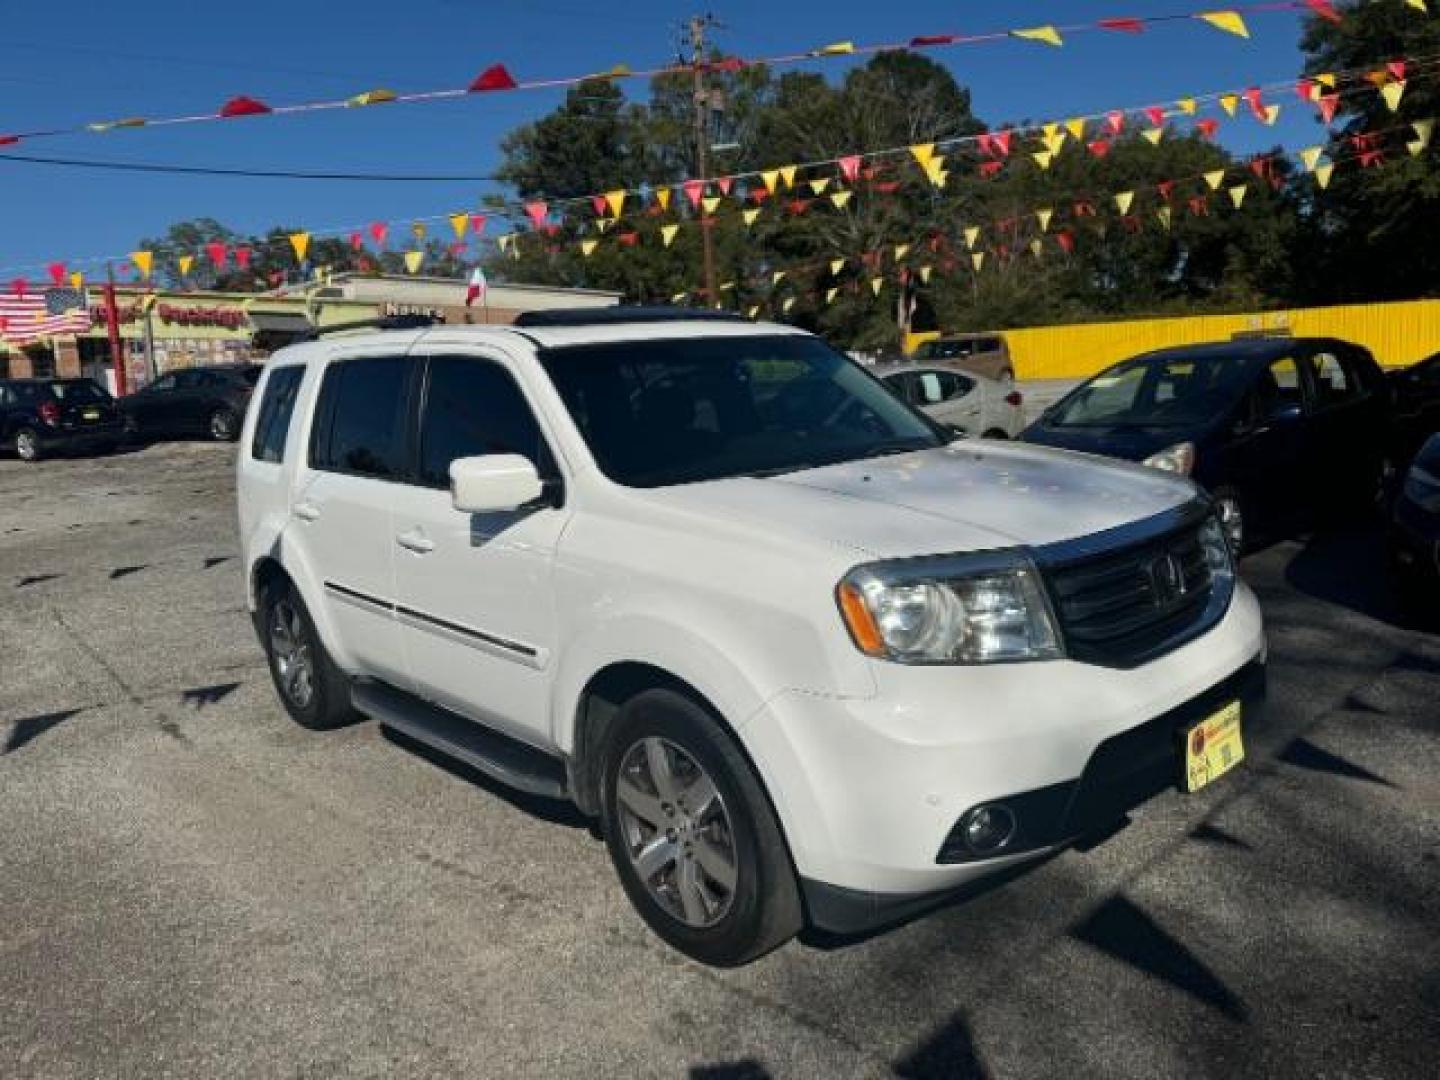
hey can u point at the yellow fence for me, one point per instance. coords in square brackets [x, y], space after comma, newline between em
[1397, 334]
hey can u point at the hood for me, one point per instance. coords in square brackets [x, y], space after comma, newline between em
[1126, 441]
[970, 495]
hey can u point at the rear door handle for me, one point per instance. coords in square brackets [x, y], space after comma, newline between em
[306, 511]
[415, 541]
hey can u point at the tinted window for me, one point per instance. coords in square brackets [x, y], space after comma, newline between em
[1158, 390]
[937, 386]
[78, 391]
[1335, 381]
[272, 426]
[473, 408]
[901, 385]
[675, 412]
[363, 403]
[163, 384]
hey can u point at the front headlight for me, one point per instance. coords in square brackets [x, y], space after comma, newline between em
[964, 609]
[1179, 459]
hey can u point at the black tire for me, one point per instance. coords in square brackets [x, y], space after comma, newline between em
[1226, 494]
[223, 425]
[327, 705]
[27, 445]
[764, 909]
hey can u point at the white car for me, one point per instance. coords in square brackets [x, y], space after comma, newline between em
[803, 656]
[966, 402]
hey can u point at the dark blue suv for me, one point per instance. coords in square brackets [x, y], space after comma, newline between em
[1267, 425]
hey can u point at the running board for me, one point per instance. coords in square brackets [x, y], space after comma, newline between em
[508, 760]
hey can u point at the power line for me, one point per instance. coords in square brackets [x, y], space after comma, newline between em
[266, 174]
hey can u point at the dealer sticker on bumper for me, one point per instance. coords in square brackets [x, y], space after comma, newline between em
[1213, 747]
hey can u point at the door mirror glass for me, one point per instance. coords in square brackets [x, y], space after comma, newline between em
[493, 483]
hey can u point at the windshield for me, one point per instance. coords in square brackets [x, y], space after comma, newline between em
[678, 411]
[1159, 390]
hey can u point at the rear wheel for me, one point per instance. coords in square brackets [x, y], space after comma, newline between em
[692, 834]
[314, 691]
[27, 445]
[224, 425]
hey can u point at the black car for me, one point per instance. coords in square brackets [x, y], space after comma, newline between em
[205, 401]
[1415, 528]
[1268, 426]
[1415, 391]
[45, 416]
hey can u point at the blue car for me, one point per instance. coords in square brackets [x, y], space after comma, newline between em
[1415, 528]
[1269, 426]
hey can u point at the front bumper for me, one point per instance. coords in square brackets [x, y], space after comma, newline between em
[870, 790]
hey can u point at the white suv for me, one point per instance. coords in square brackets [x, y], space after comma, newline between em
[804, 656]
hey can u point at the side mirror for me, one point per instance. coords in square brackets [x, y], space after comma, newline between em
[493, 483]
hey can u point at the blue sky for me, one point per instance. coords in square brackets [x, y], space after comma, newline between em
[91, 60]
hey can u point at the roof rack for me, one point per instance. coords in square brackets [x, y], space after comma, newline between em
[385, 322]
[611, 316]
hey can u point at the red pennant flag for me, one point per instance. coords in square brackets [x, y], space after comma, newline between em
[477, 223]
[1261, 168]
[629, 239]
[9, 140]
[983, 140]
[1156, 115]
[550, 230]
[1084, 209]
[1124, 26]
[20, 286]
[243, 106]
[1100, 147]
[1371, 157]
[929, 40]
[456, 249]
[849, 166]
[357, 241]
[242, 258]
[1397, 69]
[56, 270]
[1323, 9]
[757, 195]
[1199, 206]
[1115, 120]
[1207, 127]
[695, 190]
[1001, 141]
[1066, 239]
[725, 183]
[536, 211]
[378, 229]
[987, 168]
[1165, 188]
[1304, 88]
[494, 77]
[1328, 104]
[797, 206]
[1252, 98]
[216, 251]
[597, 203]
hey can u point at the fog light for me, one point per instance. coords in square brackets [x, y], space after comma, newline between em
[988, 828]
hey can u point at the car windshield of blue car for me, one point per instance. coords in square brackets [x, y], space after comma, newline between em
[1154, 391]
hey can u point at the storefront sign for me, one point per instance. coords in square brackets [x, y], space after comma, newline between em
[227, 318]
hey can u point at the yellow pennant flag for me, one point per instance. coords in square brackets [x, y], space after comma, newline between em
[459, 223]
[937, 172]
[750, 216]
[840, 198]
[1044, 216]
[1043, 158]
[830, 295]
[972, 233]
[1326, 79]
[1310, 155]
[1164, 215]
[1124, 200]
[300, 241]
[413, 259]
[711, 203]
[923, 152]
[1416, 147]
[615, 201]
[817, 187]
[876, 284]
[1076, 127]
[662, 196]
[185, 262]
[836, 265]
[1229, 21]
[587, 247]
[836, 48]
[770, 177]
[1322, 174]
[77, 280]
[1215, 178]
[977, 260]
[1048, 34]
[505, 242]
[1272, 113]
[667, 234]
[603, 224]
[1036, 247]
[1153, 135]
[777, 277]
[1237, 194]
[901, 250]
[1392, 93]
[1418, 5]
[1229, 102]
[1423, 130]
[144, 261]
[372, 97]
[788, 304]
[1188, 105]
[925, 275]
[788, 175]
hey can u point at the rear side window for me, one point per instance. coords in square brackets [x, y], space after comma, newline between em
[362, 411]
[472, 408]
[278, 405]
[1335, 381]
[938, 386]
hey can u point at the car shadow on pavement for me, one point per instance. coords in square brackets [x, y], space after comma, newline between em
[552, 811]
[1348, 567]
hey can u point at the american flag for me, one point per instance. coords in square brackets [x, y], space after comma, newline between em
[29, 315]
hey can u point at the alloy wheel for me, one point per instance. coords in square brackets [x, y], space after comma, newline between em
[290, 648]
[222, 426]
[26, 448]
[676, 831]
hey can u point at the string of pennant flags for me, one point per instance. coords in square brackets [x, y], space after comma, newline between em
[498, 77]
[615, 213]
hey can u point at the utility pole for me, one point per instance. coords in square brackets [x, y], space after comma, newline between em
[112, 322]
[698, 60]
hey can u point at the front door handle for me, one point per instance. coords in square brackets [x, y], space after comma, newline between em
[415, 541]
[306, 511]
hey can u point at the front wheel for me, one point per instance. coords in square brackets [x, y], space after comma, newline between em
[224, 425]
[313, 690]
[693, 836]
[27, 445]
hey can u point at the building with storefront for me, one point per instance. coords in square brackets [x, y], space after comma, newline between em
[161, 330]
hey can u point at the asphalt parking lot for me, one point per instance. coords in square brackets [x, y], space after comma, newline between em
[192, 886]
